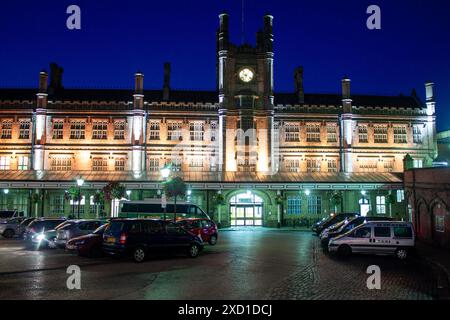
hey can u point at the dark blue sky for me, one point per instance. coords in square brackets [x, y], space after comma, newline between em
[329, 38]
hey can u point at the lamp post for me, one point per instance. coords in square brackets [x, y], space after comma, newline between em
[129, 194]
[165, 173]
[80, 183]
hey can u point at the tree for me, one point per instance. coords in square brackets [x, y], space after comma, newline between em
[175, 188]
[98, 199]
[114, 190]
[336, 200]
[390, 200]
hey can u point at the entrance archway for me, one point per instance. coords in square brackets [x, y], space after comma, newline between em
[246, 209]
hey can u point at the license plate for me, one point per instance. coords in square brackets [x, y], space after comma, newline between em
[110, 239]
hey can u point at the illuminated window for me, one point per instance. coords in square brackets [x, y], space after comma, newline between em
[153, 165]
[418, 163]
[314, 205]
[400, 196]
[313, 132]
[174, 131]
[332, 165]
[57, 204]
[331, 133]
[196, 164]
[5, 163]
[75, 205]
[100, 164]
[417, 134]
[77, 130]
[119, 164]
[294, 205]
[363, 137]
[400, 134]
[292, 165]
[61, 164]
[23, 163]
[6, 129]
[439, 223]
[313, 165]
[213, 131]
[154, 130]
[388, 165]
[380, 134]
[368, 165]
[100, 130]
[24, 129]
[291, 132]
[58, 129]
[119, 130]
[196, 129]
[176, 164]
[381, 204]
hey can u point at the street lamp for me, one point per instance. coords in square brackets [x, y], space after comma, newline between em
[129, 194]
[5, 191]
[307, 192]
[80, 183]
[165, 173]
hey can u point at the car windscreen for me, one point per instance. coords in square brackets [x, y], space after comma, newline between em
[51, 224]
[101, 229]
[26, 222]
[115, 227]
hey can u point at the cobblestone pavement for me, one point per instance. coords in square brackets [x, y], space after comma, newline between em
[246, 264]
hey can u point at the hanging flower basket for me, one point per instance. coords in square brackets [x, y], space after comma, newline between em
[336, 199]
[114, 190]
[279, 199]
[219, 199]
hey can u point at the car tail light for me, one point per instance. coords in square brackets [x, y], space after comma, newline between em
[123, 238]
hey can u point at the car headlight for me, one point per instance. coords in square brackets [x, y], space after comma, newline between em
[40, 237]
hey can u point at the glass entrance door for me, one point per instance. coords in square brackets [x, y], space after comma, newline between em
[246, 209]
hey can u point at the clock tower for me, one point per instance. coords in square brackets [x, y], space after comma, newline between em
[245, 85]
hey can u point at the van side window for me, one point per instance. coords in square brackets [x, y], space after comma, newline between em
[153, 227]
[135, 227]
[403, 232]
[382, 232]
[363, 233]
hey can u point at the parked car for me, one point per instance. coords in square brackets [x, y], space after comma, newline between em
[140, 237]
[332, 219]
[8, 227]
[345, 226]
[23, 225]
[386, 238]
[88, 245]
[75, 229]
[8, 214]
[46, 239]
[38, 226]
[205, 228]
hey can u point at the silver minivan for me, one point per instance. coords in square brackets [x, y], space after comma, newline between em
[384, 238]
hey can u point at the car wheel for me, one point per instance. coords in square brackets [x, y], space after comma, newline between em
[194, 250]
[344, 250]
[139, 254]
[8, 233]
[401, 253]
[213, 240]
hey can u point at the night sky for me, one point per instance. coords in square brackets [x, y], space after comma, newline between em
[329, 38]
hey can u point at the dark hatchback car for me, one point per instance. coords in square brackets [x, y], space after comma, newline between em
[346, 227]
[321, 225]
[141, 237]
[88, 245]
[41, 225]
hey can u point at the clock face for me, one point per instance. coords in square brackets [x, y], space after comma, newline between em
[246, 75]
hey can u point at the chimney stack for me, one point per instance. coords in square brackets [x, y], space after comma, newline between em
[166, 84]
[43, 82]
[223, 34]
[139, 83]
[346, 95]
[299, 91]
[429, 90]
[56, 73]
[268, 32]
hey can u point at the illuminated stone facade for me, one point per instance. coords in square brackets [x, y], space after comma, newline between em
[269, 141]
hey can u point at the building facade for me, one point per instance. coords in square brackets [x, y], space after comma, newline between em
[428, 194]
[276, 158]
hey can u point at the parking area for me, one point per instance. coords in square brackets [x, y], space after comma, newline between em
[245, 264]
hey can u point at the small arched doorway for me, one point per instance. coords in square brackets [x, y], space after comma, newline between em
[246, 209]
[364, 207]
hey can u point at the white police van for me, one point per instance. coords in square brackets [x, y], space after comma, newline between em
[384, 238]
